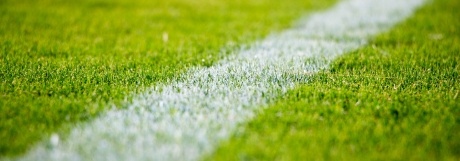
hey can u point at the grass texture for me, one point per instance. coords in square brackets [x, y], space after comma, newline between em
[187, 118]
[63, 62]
[396, 99]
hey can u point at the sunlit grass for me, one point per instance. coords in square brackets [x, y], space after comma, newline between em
[62, 62]
[396, 99]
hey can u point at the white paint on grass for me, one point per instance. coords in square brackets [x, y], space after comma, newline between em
[186, 119]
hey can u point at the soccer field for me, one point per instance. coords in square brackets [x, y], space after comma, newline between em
[121, 80]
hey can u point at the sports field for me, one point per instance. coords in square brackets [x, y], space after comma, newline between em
[229, 80]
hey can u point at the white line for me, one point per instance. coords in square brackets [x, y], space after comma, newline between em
[188, 118]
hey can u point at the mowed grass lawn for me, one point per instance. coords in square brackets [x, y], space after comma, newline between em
[395, 99]
[63, 62]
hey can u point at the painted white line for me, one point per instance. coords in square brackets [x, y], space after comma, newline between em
[188, 118]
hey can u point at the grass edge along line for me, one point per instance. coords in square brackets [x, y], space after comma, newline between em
[66, 62]
[185, 119]
[396, 98]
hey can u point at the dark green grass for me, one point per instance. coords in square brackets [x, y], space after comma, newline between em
[63, 61]
[396, 99]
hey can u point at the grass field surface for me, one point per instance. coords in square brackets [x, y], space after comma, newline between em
[62, 61]
[67, 62]
[184, 119]
[396, 99]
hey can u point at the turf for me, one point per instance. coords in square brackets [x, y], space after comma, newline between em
[63, 62]
[395, 99]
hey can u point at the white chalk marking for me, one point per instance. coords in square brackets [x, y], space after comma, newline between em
[186, 119]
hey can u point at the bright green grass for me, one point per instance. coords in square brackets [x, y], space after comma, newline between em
[63, 61]
[396, 99]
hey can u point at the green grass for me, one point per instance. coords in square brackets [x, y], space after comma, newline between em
[396, 99]
[63, 62]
